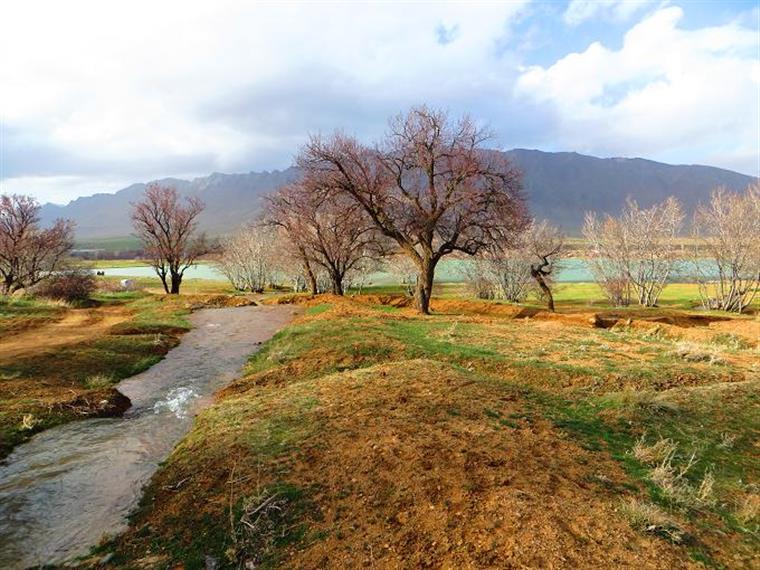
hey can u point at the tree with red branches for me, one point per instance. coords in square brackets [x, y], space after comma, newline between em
[29, 253]
[326, 229]
[430, 186]
[167, 226]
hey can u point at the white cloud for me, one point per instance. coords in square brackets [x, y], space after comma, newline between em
[579, 11]
[123, 83]
[666, 90]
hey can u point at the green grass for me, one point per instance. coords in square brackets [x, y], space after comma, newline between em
[129, 348]
[25, 312]
[110, 244]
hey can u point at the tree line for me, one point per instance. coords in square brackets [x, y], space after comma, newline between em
[430, 188]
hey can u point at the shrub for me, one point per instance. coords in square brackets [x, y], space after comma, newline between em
[68, 285]
[691, 352]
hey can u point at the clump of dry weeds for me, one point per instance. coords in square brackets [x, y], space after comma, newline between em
[692, 352]
[671, 475]
[649, 518]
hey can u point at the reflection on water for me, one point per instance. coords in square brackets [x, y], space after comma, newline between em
[66, 487]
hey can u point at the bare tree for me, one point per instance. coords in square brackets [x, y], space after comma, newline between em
[636, 252]
[727, 242]
[327, 228]
[247, 257]
[29, 253]
[167, 227]
[404, 270]
[510, 270]
[430, 186]
[544, 244]
[507, 270]
[481, 275]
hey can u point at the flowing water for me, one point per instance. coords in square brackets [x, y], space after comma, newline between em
[68, 486]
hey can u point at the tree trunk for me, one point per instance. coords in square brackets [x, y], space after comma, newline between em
[312, 280]
[337, 283]
[539, 277]
[8, 285]
[176, 281]
[424, 286]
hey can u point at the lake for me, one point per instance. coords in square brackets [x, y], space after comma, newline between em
[573, 270]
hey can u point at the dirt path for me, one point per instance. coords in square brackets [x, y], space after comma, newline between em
[78, 325]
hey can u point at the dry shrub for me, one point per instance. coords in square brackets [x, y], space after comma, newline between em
[646, 517]
[263, 521]
[69, 285]
[649, 400]
[691, 352]
[671, 479]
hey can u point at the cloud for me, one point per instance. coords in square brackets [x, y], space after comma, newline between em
[123, 88]
[667, 92]
[579, 11]
[96, 95]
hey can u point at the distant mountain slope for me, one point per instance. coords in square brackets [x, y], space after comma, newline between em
[560, 186]
[563, 186]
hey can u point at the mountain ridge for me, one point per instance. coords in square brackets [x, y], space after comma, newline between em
[559, 186]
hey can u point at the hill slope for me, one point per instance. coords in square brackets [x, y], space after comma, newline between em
[560, 186]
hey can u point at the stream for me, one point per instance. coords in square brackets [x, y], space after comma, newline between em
[69, 486]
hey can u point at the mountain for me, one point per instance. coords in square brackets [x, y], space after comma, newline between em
[230, 200]
[563, 186]
[559, 186]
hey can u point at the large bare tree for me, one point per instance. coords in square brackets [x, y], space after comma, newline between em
[430, 186]
[726, 254]
[28, 253]
[167, 226]
[327, 228]
[635, 252]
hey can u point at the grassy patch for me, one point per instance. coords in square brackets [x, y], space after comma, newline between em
[49, 387]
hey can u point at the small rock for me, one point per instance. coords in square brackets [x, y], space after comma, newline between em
[212, 563]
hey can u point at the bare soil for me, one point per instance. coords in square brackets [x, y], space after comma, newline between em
[77, 325]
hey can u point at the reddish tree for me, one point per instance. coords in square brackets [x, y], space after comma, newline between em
[430, 186]
[29, 253]
[167, 228]
[326, 228]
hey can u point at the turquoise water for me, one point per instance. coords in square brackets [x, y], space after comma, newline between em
[200, 271]
[573, 270]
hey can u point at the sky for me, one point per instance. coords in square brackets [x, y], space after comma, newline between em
[97, 95]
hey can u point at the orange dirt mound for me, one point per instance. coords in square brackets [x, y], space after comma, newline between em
[416, 470]
[412, 465]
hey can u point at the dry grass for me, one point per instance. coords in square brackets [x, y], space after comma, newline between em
[748, 509]
[98, 381]
[649, 518]
[692, 352]
[655, 453]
